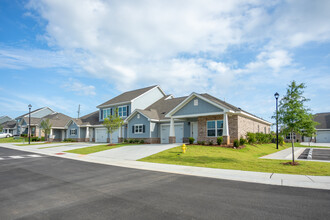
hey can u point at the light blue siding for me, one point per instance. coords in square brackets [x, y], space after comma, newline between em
[186, 129]
[42, 113]
[82, 133]
[202, 107]
[142, 120]
[57, 134]
[73, 126]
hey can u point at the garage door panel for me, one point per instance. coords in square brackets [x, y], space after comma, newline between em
[165, 132]
[323, 136]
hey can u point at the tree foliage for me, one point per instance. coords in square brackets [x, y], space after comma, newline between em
[293, 115]
[112, 123]
[46, 126]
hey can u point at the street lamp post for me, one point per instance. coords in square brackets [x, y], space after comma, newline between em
[276, 97]
[30, 106]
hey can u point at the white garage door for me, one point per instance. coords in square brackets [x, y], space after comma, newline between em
[165, 132]
[323, 136]
[101, 135]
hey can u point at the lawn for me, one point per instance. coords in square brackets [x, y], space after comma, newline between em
[63, 145]
[94, 149]
[12, 140]
[247, 159]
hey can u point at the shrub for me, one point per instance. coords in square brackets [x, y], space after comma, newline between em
[219, 140]
[236, 143]
[281, 140]
[125, 140]
[131, 141]
[42, 139]
[199, 142]
[203, 142]
[23, 135]
[136, 141]
[210, 142]
[141, 142]
[242, 141]
[69, 140]
[251, 138]
[191, 140]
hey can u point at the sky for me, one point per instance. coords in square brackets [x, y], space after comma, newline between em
[65, 53]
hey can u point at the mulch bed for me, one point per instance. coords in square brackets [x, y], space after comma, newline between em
[112, 144]
[290, 163]
[225, 146]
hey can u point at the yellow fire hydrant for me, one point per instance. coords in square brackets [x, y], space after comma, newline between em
[184, 148]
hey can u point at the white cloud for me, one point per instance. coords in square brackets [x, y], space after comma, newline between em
[79, 88]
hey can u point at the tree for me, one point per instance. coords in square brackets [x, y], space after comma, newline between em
[1, 128]
[112, 123]
[46, 126]
[293, 116]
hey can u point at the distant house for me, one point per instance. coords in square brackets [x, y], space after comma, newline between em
[22, 122]
[4, 119]
[9, 127]
[58, 122]
[151, 115]
[322, 130]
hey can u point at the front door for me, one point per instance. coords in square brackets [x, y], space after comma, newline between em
[194, 130]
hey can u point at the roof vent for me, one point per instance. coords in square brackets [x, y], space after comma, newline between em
[163, 113]
[239, 108]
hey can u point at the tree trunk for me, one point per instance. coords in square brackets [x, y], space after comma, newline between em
[110, 138]
[292, 148]
[46, 136]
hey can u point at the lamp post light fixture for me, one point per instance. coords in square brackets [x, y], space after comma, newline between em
[29, 131]
[276, 95]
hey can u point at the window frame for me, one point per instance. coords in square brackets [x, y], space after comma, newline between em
[215, 128]
[137, 129]
[121, 111]
[105, 112]
[73, 133]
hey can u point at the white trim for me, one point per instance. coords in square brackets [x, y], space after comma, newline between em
[197, 115]
[169, 97]
[110, 105]
[191, 97]
[138, 125]
[216, 128]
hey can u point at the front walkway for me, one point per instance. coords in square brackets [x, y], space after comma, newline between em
[306, 181]
[134, 152]
[285, 154]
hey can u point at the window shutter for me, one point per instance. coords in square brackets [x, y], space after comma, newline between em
[110, 111]
[144, 128]
[133, 129]
[101, 114]
[127, 109]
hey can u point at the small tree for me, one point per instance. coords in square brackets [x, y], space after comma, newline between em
[1, 128]
[293, 116]
[112, 123]
[46, 126]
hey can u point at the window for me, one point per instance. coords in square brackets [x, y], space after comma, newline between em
[214, 128]
[289, 136]
[196, 102]
[138, 129]
[122, 111]
[106, 113]
[73, 132]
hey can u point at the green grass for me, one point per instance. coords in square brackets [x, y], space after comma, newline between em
[94, 149]
[36, 143]
[247, 159]
[12, 140]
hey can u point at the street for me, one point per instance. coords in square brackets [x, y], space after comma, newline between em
[46, 187]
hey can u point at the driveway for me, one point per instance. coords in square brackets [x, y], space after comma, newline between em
[134, 152]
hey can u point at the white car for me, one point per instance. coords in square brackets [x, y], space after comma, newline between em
[5, 135]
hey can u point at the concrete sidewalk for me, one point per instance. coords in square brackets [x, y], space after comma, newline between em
[307, 144]
[285, 154]
[306, 181]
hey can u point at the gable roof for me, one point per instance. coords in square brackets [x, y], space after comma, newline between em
[127, 96]
[9, 124]
[159, 109]
[26, 114]
[34, 121]
[323, 119]
[58, 120]
[89, 119]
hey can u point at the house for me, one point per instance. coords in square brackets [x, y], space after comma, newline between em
[22, 122]
[58, 123]
[9, 127]
[151, 115]
[322, 129]
[200, 116]
[90, 128]
[4, 119]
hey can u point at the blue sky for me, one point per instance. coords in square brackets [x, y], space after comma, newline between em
[65, 53]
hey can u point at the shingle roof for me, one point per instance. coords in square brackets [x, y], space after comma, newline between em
[323, 119]
[9, 124]
[126, 96]
[159, 109]
[89, 119]
[34, 121]
[58, 120]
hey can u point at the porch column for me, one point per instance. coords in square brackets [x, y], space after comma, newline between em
[39, 133]
[63, 134]
[87, 134]
[51, 135]
[226, 137]
[172, 132]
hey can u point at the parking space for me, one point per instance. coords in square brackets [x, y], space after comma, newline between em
[315, 154]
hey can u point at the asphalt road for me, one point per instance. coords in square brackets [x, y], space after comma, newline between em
[56, 188]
